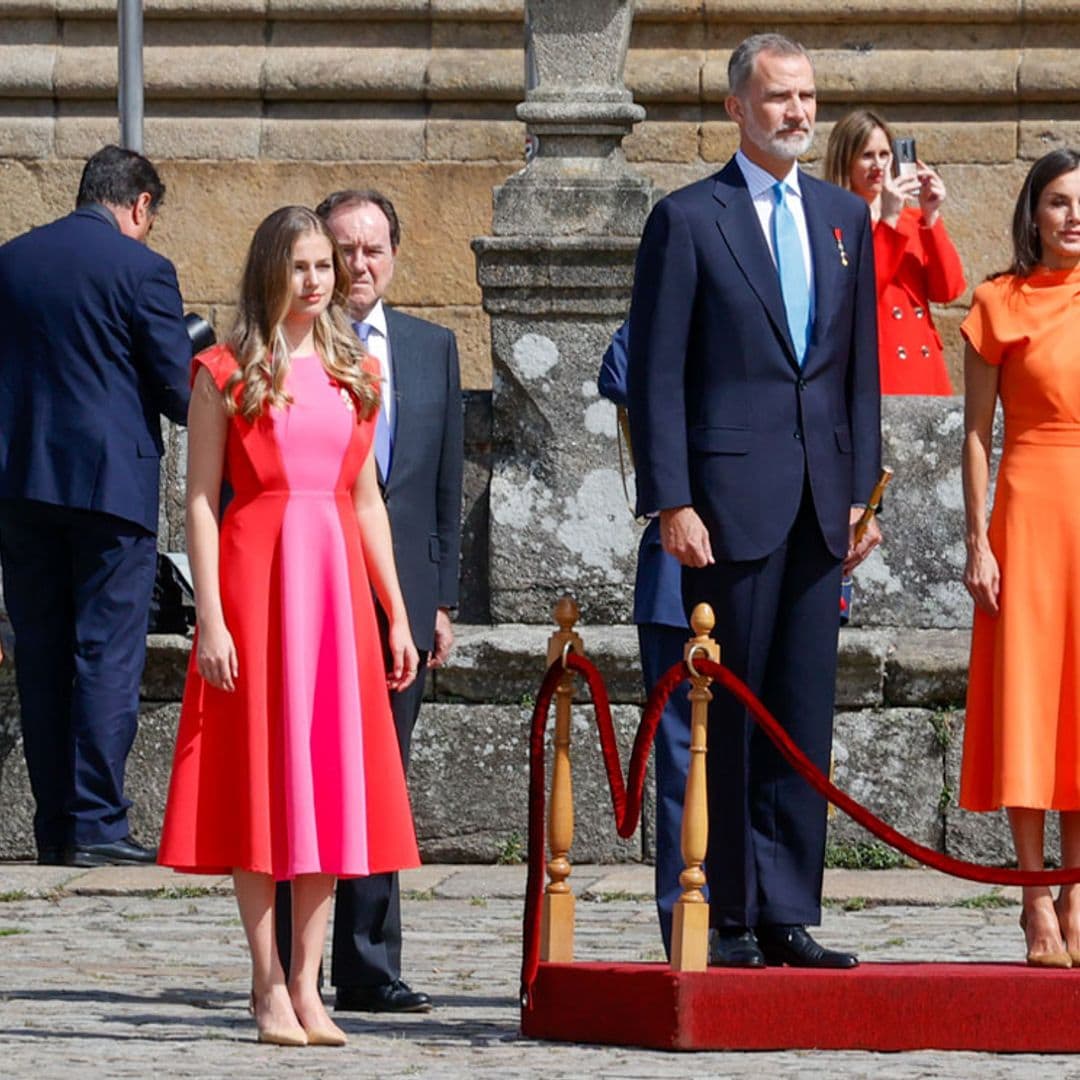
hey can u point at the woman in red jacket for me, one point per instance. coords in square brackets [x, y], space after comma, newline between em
[915, 260]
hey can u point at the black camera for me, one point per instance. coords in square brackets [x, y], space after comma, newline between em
[200, 332]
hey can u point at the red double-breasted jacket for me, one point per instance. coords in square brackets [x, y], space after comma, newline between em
[914, 265]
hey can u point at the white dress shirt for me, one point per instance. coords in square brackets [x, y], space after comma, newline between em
[761, 185]
[378, 344]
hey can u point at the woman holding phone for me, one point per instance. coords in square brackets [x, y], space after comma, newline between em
[915, 260]
[1022, 726]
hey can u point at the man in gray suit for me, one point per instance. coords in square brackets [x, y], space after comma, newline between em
[419, 453]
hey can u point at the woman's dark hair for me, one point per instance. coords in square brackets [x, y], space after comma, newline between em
[1027, 245]
[117, 177]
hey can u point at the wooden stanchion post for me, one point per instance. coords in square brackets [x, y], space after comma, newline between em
[557, 922]
[690, 928]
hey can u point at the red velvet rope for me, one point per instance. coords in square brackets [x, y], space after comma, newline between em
[626, 798]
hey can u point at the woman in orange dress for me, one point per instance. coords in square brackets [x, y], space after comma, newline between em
[1022, 731]
[287, 766]
[914, 259]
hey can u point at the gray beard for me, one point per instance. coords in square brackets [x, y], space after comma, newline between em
[787, 149]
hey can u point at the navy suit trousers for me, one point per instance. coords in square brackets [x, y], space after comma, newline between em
[77, 584]
[777, 623]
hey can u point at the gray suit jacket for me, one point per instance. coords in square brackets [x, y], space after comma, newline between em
[423, 490]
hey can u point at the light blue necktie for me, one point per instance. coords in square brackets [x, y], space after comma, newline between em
[792, 270]
[384, 439]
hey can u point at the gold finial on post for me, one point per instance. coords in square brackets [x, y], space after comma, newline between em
[557, 921]
[690, 929]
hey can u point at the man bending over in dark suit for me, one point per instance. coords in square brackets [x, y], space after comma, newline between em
[94, 350]
[419, 457]
[753, 397]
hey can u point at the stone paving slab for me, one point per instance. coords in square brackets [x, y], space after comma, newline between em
[155, 984]
[462, 882]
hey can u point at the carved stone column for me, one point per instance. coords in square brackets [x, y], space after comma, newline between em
[556, 277]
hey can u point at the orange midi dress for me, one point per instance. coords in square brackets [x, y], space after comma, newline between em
[1022, 730]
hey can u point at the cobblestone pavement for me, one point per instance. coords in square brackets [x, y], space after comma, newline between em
[141, 973]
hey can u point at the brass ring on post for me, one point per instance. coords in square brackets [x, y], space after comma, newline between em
[566, 650]
[690, 660]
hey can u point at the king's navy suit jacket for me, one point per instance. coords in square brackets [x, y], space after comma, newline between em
[723, 416]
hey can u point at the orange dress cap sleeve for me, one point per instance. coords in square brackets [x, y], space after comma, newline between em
[987, 326]
[219, 363]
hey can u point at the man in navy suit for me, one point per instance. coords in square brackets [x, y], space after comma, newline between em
[94, 351]
[662, 634]
[754, 403]
[419, 454]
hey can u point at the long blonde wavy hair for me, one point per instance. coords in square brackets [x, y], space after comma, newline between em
[257, 339]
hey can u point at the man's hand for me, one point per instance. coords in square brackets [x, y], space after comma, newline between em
[870, 540]
[444, 639]
[684, 535]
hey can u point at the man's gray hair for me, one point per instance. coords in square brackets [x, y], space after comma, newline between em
[741, 65]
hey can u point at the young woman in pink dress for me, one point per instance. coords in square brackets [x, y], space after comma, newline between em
[286, 765]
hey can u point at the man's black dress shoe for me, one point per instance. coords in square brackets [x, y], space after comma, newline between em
[792, 945]
[734, 947]
[394, 997]
[51, 856]
[125, 852]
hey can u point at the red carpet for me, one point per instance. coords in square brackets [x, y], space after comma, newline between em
[999, 1007]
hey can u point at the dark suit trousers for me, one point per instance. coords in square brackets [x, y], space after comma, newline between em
[77, 584]
[661, 646]
[367, 910]
[777, 623]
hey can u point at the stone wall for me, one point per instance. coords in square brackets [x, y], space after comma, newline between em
[253, 103]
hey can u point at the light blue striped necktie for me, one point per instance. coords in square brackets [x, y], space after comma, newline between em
[792, 270]
[384, 439]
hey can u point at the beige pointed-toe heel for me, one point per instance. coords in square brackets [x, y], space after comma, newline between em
[282, 1038]
[326, 1037]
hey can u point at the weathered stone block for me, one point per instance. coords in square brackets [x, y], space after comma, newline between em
[892, 762]
[558, 524]
[474, 133]
[915, 578]
[845, 11]
[861, 667]
[665, 74]
[507, 10]
[664, 140]
[719, 140]
[166, 667]
[336, 9]
[28, 133]
[468, 779]
[232, 131]
[506, 663]
[1048, 74]
[35, 193]
[334, 133]
[988, 193]
[1047, 127]
[27, 70]
[928, 667]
